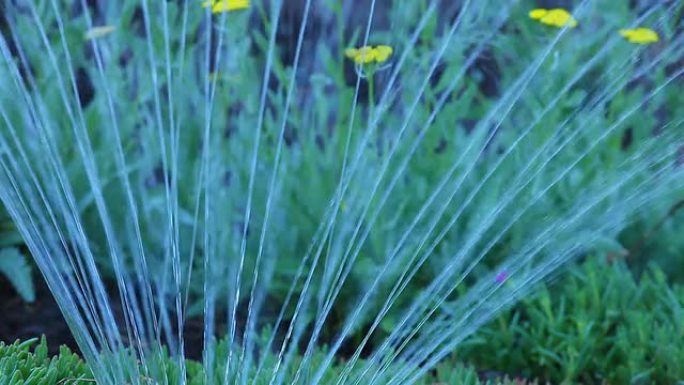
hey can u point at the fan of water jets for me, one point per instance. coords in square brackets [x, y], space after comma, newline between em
[234, 169]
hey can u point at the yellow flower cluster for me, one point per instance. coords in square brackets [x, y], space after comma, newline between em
[559, 17]
[640, 35]
[218, 6]
[556, 17]
[368, 54]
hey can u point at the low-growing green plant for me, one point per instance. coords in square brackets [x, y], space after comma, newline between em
[28, 363]
[597, 325]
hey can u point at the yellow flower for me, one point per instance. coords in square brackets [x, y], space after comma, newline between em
[218, 6]
[640, 35]
[361, 55]
[368, 54]
[538, 13]
[97, 32]
[556, 17]
[382, 53]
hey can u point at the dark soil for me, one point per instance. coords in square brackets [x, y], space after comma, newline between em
[22, 320]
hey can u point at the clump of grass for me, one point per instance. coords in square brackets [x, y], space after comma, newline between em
[183, 161]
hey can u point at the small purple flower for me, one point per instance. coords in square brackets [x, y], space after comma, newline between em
[501, 277]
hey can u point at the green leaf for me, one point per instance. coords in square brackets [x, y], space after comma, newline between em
[9, 236]
[14, 266]
[609, 245]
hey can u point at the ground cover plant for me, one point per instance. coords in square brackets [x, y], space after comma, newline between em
[598, 324]
[380, 178]
[24, 363]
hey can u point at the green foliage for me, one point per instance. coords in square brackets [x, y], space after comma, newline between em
[657, 238]
[597, 324]
[19, 365]
[13, 264]
[9, 236]
[315, 154]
